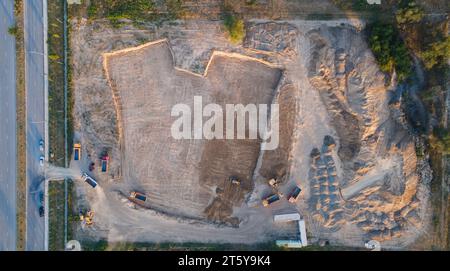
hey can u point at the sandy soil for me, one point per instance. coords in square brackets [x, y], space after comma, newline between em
[322, 75]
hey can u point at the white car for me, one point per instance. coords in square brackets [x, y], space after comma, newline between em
[41, 161]
[41, 145]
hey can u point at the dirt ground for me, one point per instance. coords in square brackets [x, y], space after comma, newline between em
[194, 168]
[367, 185]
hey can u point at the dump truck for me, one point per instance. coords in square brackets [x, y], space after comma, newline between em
[76, 151]
[271, 199]
[294, 194]
[104, 162]
[139, 197]
[89, 180]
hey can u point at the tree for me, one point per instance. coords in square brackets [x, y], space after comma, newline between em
[389, 50]
[411, 13]
[12, 30]
[235, 27]
[437, 53]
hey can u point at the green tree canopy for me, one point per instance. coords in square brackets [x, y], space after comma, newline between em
[437, 53]
[389, 50]
[411, 13]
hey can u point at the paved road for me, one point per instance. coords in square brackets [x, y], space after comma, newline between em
[7, 128]
[34, 79]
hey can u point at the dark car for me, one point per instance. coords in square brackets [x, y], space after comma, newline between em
[41, 197]
[41, 211]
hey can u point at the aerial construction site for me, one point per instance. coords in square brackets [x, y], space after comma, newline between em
[346, 166]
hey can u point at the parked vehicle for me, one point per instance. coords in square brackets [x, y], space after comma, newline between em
[41, 197]
[89, 180]
[41, 145]
[41, 211]
[271, 199]
[76, 151]
[141, 198]
[41, 160]
[104, 162]
[295, 194]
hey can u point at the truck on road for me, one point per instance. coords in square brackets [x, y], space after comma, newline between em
[138, 197]
[104, 160]
[76, 151]
[89, 180]
[294, 194]
[271, 199]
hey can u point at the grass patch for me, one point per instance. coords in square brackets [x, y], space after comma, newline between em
[103, 245]
[137, 11]
[56, 121]
[21, 127]
[56, 82]
[56, 215]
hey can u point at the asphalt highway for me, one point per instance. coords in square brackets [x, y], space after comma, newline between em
[8, 138]
[35, 96]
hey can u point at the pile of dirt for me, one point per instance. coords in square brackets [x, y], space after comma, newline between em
[275, 163]
[380, 182]
[272, 37]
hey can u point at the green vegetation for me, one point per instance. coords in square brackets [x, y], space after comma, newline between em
[409, 13]
[169, 246]
[56, 82]
[175, 9]
[13, 30]
[136, 11]
[92, 11]
[56, 109]
[72, 213]
[102, 245]
[440, 140]
[21, 127]
[354, 5]
[56, 215]
[389, 50]
[234, 26]
[437, 53]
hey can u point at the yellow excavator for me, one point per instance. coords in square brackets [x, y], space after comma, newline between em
[87, 218]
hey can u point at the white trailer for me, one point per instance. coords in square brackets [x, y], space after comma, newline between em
[286, 217]
[302, 229]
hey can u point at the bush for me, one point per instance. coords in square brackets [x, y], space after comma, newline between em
[12, 30]
[440, 140]
[235, 27]
[130, 9]
[53, 57]
[411, 13]
[92, 10]
[436, 54]
[175, 9]
[389, 50]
